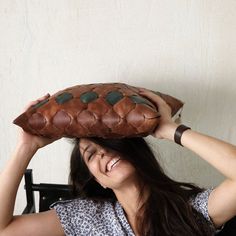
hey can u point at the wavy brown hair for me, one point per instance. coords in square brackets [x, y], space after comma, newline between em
[166, 211]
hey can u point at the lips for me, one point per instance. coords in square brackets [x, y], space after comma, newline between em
[111, 163]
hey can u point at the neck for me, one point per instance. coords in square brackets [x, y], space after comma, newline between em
[128, 197]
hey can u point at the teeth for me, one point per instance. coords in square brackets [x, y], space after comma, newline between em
[111, 163]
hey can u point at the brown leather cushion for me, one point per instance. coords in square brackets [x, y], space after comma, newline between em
[108, 110]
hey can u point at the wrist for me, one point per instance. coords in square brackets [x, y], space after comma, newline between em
[170, 131]
[30, 149]
[21, 157]
[179, 132]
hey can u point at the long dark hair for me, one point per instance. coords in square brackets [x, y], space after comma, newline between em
[166, 210]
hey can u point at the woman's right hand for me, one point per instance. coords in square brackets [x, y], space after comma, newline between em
[32, 141]
[166, 127]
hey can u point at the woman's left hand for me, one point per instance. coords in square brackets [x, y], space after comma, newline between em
[166, 127]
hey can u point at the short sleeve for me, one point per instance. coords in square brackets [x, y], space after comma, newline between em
[200, 203]
[75, 216]
[63, 212]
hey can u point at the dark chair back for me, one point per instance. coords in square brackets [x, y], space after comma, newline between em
[48, 193]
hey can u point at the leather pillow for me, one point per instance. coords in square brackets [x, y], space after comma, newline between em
[108, 110]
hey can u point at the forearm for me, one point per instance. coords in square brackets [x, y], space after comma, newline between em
[219, 154]
[10, 179]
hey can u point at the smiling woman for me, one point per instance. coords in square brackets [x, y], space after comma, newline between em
[120, 189]
[106, 164]
[135, 193]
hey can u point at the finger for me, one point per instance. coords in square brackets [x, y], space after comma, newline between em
[44, 97]
[143, 90]
[41, 99]
[37, 101]
[151, 95]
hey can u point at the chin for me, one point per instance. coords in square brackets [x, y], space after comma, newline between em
[122, 176]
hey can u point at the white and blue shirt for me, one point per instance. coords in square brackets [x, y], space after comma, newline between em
[83, 217]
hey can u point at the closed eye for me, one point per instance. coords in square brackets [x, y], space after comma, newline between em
[91, 155]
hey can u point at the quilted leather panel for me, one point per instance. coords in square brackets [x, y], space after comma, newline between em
[108, 110]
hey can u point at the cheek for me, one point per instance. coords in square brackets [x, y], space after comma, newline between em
[93, 168]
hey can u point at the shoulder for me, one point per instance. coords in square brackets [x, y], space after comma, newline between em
[200, 203]
[80, 206]
[78, 215]
[74, 203]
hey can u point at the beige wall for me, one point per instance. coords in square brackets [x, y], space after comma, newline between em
[183, 48]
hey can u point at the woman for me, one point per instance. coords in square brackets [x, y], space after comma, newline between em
[135, 197]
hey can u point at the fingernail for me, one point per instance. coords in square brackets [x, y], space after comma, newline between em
[142, 91]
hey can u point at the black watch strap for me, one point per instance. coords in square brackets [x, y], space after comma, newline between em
[178, 133]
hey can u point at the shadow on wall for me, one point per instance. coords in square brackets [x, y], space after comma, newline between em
[207, 106]
[208, 109]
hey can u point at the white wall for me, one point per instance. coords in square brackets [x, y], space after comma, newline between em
[184, 48]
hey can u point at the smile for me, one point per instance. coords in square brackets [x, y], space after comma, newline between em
[111, 164]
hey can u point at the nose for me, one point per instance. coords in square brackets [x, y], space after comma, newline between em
[102, 153]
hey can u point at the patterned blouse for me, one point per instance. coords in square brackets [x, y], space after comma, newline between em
[85, 217]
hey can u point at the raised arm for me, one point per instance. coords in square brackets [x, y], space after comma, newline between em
[39, 224]
[220, 154]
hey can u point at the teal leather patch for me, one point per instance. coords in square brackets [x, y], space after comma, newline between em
[88, 97]
[114, 97]
[138, 99]
[64, 97]
[40, 103]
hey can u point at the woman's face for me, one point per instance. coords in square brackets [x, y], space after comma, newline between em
[107, 166]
